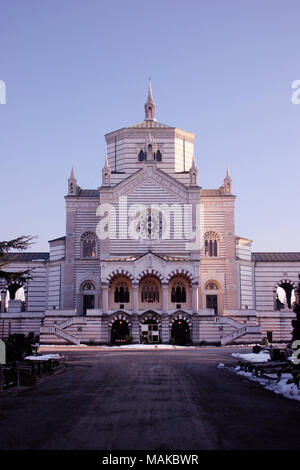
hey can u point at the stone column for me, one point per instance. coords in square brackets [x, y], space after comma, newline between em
[135, 328]
[195, 298]
[104, 298]
[3, 297]
[195, 333]
[135, 299]
[165, 298]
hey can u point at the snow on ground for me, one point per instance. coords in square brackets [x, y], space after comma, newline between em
[43, 357]
[281, 387]
[123, 346]
[253, 357]
[147, 346]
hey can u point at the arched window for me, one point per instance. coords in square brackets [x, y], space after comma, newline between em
[88, 245]
[150, 291]
[211, 244]
[141, 156]
[158, 156]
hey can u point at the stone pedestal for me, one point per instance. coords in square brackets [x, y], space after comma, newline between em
[14, 306]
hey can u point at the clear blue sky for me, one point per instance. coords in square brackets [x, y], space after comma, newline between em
[77, 69]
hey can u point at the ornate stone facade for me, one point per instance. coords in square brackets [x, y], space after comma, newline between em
[153, 256]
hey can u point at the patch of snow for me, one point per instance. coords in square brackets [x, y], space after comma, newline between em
[281, 387]
[253, 357]
[219, 366]
[147, 346]
[43, 357]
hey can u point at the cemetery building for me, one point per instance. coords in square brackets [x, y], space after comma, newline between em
[153, 255]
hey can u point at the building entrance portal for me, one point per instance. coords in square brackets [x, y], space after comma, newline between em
[88, 303]
[181, 332]
[119, 332]
[212, 302]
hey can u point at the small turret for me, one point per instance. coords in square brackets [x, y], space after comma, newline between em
[227, 183]
[193, 174]
[72, 184]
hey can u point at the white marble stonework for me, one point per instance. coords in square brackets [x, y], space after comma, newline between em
[171, 269]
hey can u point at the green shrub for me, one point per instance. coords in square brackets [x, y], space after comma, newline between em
[129, 339]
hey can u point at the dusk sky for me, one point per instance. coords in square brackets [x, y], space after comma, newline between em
[77, 69]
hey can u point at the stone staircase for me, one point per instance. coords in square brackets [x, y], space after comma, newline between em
[244, 330]
[60, 333]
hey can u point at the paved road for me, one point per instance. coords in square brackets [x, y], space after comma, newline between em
[160, 400]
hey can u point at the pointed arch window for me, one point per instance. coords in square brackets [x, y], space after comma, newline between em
[211, 244]
[141, 156]
[88, 245]
[158, 156]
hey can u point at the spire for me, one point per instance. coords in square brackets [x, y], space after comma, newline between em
[193, 174]
[150, 105]
[72, 184]
[227, 183]
[150, 97]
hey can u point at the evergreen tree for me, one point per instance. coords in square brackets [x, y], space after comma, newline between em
[6, 257]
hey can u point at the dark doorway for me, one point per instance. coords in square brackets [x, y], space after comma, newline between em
[119, 331]
[270, 336]
[212, 302]
[88, 302]
[181, 332]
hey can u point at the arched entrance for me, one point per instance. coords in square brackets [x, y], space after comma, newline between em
[180, 333]
[213, 296]
[87, 293]
[119, 332]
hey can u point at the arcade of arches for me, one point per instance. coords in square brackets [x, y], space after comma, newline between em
[150, 329]
[122, 293]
